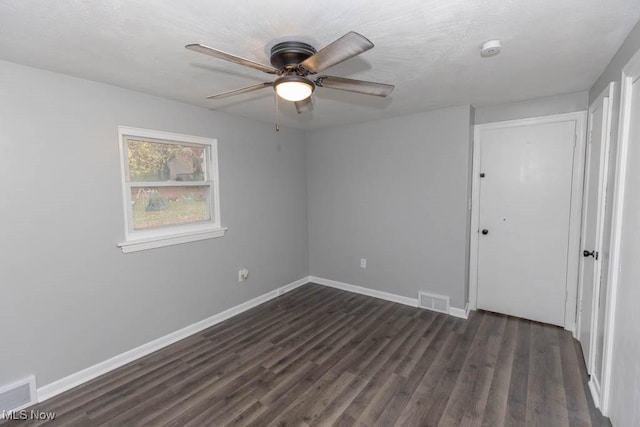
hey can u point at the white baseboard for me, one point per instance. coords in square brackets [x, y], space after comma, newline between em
[291, 286]
[462, 313]
[52, 389]
[413, 302]
[594, 388]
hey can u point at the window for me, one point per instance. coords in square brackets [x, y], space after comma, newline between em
[170, 188]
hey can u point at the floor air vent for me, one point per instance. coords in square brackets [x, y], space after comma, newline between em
[439, 303]
[18, 395]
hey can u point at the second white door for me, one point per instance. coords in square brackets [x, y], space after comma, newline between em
[592, 222]
[524, 221]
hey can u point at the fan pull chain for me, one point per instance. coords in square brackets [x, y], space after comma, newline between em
[277, 113]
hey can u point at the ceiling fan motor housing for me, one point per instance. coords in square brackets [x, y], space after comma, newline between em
[289, 54]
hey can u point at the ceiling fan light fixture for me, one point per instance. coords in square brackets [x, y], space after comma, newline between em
[293, 88]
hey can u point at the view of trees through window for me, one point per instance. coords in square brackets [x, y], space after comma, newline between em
[155, 161]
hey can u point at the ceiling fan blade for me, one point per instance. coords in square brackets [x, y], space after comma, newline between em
[358, 86]
[304, 105]
[197, 47]
[239, 91]
[347, 46]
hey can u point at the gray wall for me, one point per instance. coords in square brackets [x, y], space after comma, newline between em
[625, 387]
[396, 193]
[70, 297]
[567, 103]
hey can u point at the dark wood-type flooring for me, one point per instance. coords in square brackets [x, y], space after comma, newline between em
[321, 356]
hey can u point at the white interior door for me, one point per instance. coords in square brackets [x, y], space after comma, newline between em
[621, 367]
[593, 216]
[524, 220]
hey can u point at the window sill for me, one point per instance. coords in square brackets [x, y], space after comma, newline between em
[175, 239]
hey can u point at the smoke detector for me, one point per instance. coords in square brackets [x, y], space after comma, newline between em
[490, 48]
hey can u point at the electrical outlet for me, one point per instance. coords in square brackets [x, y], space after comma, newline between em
[243, 274]
[363, 263]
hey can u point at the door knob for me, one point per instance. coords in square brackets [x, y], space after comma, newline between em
[587, 254]
[485, 232]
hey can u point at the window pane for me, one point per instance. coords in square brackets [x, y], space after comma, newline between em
[165, 206]
[156, 161]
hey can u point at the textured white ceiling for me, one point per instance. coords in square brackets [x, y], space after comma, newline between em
[428, 48]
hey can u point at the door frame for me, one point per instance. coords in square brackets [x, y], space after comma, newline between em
[600, 212]
[630, 72]
[575, 219]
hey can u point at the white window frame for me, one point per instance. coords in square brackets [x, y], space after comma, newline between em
[138, 240]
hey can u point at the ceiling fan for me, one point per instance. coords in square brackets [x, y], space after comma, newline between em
[293, 62]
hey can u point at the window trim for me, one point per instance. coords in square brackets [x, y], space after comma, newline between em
[170, 235]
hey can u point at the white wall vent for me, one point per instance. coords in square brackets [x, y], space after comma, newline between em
[439, 303]
[18, 395]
